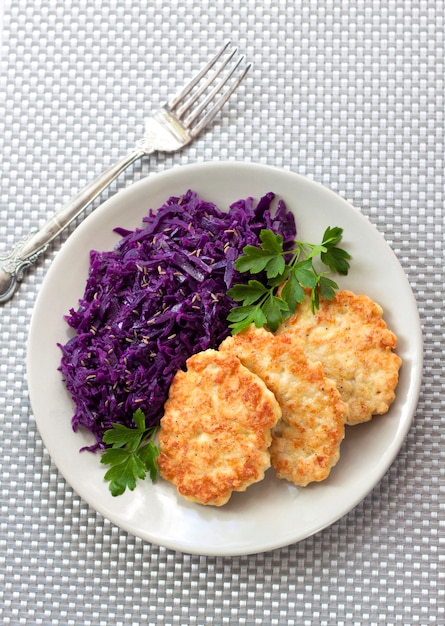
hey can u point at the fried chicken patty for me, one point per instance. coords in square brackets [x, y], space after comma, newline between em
[216, 429]
[351, 340]
[306, 440]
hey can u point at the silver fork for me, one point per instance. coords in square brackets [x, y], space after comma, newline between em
[170, 128]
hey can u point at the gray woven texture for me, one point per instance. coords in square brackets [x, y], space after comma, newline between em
[349, 94]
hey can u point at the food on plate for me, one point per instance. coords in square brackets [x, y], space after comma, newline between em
[153, 301]
[325, 368]
[131, 454]
[281, 276]
[144, 355]
[215, 434]
[306, 440]
[348, 336]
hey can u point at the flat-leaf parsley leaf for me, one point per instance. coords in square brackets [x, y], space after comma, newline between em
[285, 274]
[131, 454]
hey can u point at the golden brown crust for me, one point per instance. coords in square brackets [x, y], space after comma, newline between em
[216, 429]
[350, 338]
[306, 440]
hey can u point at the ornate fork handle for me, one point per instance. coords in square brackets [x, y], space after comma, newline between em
[26, 251]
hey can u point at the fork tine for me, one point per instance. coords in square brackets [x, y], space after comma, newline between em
[195, 80]
[194, 97]
[210, 115]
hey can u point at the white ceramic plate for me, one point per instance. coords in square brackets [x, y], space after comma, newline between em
[272, 513]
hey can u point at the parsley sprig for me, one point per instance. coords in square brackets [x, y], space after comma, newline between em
[285, 276]
[132, 454]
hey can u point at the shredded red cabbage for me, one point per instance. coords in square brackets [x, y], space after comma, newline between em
[153, 301]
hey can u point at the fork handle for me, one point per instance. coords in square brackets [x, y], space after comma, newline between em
[26, 251]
